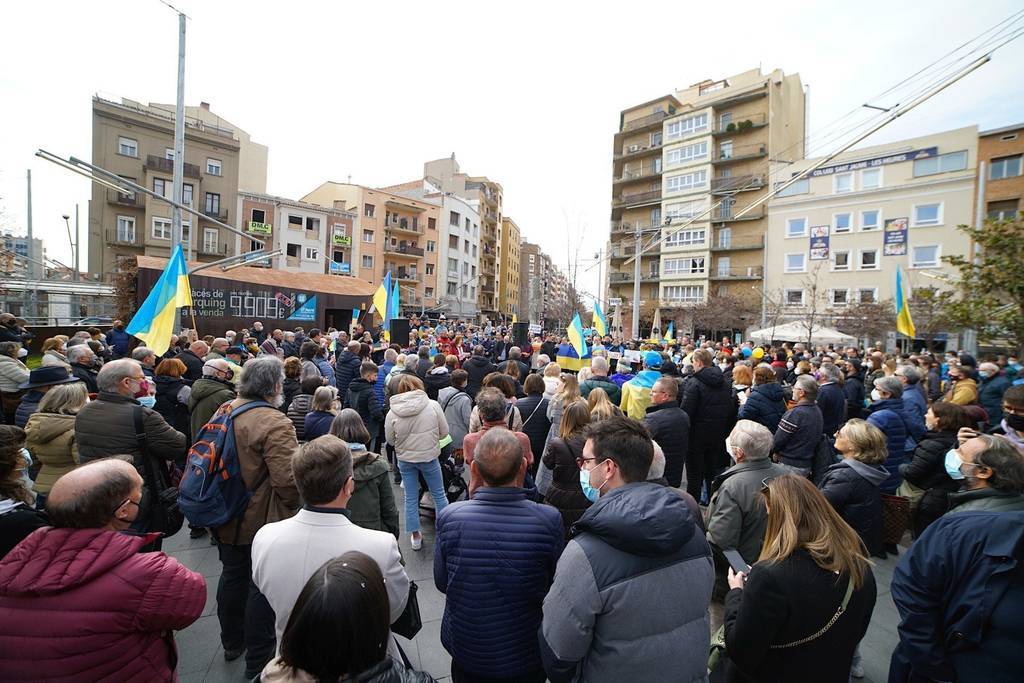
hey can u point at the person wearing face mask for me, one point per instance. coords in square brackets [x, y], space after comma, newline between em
[10, 330]
[994, 384]
[990, 469]
[118, 340]
[636, 556]
[12, 374]
[963, 390]
[888, 412]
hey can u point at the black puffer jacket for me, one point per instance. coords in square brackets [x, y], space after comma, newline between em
[291, 388]
[853, 387]
[363, 399]
[565, 492]
[346, 369]
[670, 427]
[174, 412]
[477, 367]
[852, 489]
[708, 401]
[536, 425]
[766, 405]
[927, 470]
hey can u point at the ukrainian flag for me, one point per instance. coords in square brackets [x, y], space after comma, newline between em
[904, 324]
[600, 324]
[575, 354]
[568, 359]
[670, 333]
[155, 320]
[381, 297]
[395, 303]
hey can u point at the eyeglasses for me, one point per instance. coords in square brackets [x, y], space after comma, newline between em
[122, 504]
[581, 460]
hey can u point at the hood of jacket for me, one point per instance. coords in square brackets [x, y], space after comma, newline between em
[771, 391]
[894, 404]
[442, 370]
[641, 519]
[366, 465]
[410, 403]
[45, 427]
[53, 560]
[711, 376]
[476, 361]
[358, 385]
[208, 386]
[874, 474]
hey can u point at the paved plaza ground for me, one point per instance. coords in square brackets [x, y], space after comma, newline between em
[201, 657]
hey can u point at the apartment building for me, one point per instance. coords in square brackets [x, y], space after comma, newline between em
[311, 238]
[836, 238]
[135, 141]
[20, 248]
[391, 233]
[508, 285]
[1002, 184]
[684, 167]
[543, 289]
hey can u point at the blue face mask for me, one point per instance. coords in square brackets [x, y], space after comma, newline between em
[982, 374]
[589, 491]
[953, 464]
[148, 401]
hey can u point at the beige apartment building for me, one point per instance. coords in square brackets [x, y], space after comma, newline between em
[508, 286]
[135, 141]
[684, 166]
[836, 238]
[391, 233]
[1002, 187]
[543, 288]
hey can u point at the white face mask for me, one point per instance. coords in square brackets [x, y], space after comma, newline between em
[875, 395]
[790, 365]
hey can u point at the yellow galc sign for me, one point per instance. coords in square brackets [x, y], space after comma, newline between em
[261, 228]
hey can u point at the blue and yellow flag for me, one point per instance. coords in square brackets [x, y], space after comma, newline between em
[904, 325]
[600, 324]
[670, 333]
[568, 359]
[155, 320]
[394, 303]
[381, 298]
[575, 334]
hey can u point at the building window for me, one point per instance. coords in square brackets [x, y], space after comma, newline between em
[210, 236]
[842, 222]
[927, 214]
[128, 147]
[186, 235]
[839, 297]
[451, 288]
[168, 154]
[430, 269]
[212, 204]
[259, 216]
[432, 223]
[842, 182]
[428, 292]
[680, 155]
[686, 238]
[687, 126]
[312, 254]
[794, 297]
[453, 218]
[684, 293]
[870, 220]
[367, 261]
[1005, 210]
[465, 270]
[684, 266]
[924, 256]
[1004, 167]
[453, 242]
[474, 251]
[868, 259]
[295, 222]
[161, 228]
[796, 263]
[840, 260]
[186, 194]
[161, 187]
[431, 245]
[213, 166]
[467, 225]
[867, 295]
[944, 163]
[313, 225]
[802, 186]
[684, 209]
[125, 229]
[796, 227]
[368, 210]
[465, 246]
[870, 178]
[686, 181]
[368, 236]
[293, 250]
[453, 267]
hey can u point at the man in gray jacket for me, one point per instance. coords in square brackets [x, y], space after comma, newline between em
[630, 596]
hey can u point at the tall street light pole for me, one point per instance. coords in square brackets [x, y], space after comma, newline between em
[179, 142]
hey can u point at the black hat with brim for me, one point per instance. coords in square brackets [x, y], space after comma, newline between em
[48, 376]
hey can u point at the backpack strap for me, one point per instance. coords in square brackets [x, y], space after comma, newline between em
[266, 470]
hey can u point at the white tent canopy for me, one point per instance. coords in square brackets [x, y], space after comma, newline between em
[797, 332]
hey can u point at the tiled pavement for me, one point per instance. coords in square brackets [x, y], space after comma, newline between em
[201, 657]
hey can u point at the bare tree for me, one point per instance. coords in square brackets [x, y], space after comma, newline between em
[814, 301]
[865, 320]
[930, 309]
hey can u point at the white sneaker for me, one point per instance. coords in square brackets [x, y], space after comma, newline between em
[857, 671]
[417, 542]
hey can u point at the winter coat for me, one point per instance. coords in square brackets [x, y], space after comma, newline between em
[17, 521]
[765, 405]
[87, 375]
[457, 407]
[550, 387]
[927, 470]
[207, 395]
[172, 396]
[194, 364]
[670, 428]
[372, 504]
[29, 405]
[118, 340]
[853, 387]
[619, 589]
[494, 559]
[54, 357]
[737, 517]
[477, 367]
[389, 670]
[832, 401]
[786, 601]
[534, 411]
[116, 606]
[326, 371]
[291, 387]
[955, 584]
[565, 493]
[709, 401]
[346, 369]
[301, 405]
[51, 441]
[363, 399]
[414, 425]
[316, 424]
[602, 382]
[12, 373]
[890, 416]
[990, 395]
[915, 403]
[963, 393]
[423, 366]
[620, 378]
[986, 499]
[435, 380]
[266, 443]
[382, 379]
[798, 435]
[851, 487]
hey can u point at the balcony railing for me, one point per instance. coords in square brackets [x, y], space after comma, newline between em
[637, 124]
[403, 225]
[739, 245]
[404, 275]
[220, 214]
[739, 183]
[749, 273]
[628, 277]
[155, 163]
[741, 125]
[649, 171]
[724, 214]
[733, 153]
[637, 198]
[137, 200]
[129, 239]
[637, 149]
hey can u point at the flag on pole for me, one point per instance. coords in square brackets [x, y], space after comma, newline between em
[670, 333]
[575, 334]
[904, 324]
[155, 320]
[395, 303]
[381, 298]
[515, 318]
[600, 323]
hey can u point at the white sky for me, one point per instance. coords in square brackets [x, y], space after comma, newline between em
[526, 93]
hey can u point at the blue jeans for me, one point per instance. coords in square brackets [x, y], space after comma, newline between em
[431, 472]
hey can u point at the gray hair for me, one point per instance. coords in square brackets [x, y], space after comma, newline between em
[9, 348]
[1005, 460]
[490, 403]
[599, 365]
[890, 385]
[215, 365]
[142, 353]
[76, 341]
[390, 355]
[623, 367]
[261, 377]
[323, 399]
[808, 385]
[753, 438]
[114, 372]
[831, 373]
[912, 374]
[220, 341]
[514, 353]
[411, 361]
[64, 399]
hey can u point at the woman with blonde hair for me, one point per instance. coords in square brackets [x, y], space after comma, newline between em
[568, 391]
[551, 374]
[800, 611]
[562, 458]
[55, 351]
[50, 435]
[742, 380]
[601, 407]
[322, 411]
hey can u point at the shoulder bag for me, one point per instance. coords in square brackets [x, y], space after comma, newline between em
[409, 623]
[164, 514]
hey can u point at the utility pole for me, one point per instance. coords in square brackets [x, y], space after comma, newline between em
[31, 302]
[634, 329]
[600, 280]
[179, 143]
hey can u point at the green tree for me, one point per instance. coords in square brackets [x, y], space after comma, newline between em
[931, 309]
[990, 293]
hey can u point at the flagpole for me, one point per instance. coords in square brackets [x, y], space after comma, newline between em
[192, 311]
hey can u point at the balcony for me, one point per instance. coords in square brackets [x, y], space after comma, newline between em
[650, 171]
[749, 273]
[131, 238]
[136, 200]
[637, 198]
[652, 120]
[727, 214]
[732, 153]
[635, 150]
[487, 289]
[739, 245]
[618, 278]
[406, 225]
[403, 275]
[217, 214]
[291, 261]
[739, 183]
[215, 249]
[404, 250]
[747, 123]
[155, 163]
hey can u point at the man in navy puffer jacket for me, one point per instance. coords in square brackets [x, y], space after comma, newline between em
[495, 559]
[347, 367]
[766, 403]
[889, 414]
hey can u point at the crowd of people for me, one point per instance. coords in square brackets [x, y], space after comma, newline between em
[663, 511]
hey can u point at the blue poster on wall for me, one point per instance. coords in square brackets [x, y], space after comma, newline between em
[819, 242]
[306, 311]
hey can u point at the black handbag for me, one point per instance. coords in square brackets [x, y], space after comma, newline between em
[164, 514]
[409, 623]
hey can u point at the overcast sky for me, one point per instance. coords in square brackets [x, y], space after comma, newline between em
[525, 93]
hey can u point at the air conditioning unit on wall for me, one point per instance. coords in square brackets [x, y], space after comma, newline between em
[634, 148]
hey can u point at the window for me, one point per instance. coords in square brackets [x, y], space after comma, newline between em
[796, 263]
[687, 181]
[125, 229]
[451, 288]
[474, 251]
[295, 222]
[476, 229]
[210, 236]
[453, 242]
[802, 186]
[869, 259]
[1004, 167]
[367, 261]
[725, 149]
[453, 267]
[842, 182]
[432, 223]
[368, 236]
[468, 222]
[1005, 210]
[867, 295]
[313, 225]
[927, 214]
[870, 178]
[212, 204]
[686, 238]
[839, 297]
[842, 222]
[368, 210]
[926, 256]
[725, 238]
[684, 293]
[161, 228]
[679, 155]
[431, 245]
[128, 147]
[724, 266]
[293, 250]
[465, 270]
[161, 187]
[428, 292]
[870, 220]
[213, 166]
[685, 209]
[312, 254]
[186, 194]
[796, 227]
[840, 260]
[687, 126]
[430, 269]
[794, 297]
[259, 216]
[944, 163]
[684, 266]
[453, 219]
[186, 235]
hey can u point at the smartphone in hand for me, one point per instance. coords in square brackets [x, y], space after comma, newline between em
[736, 561]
